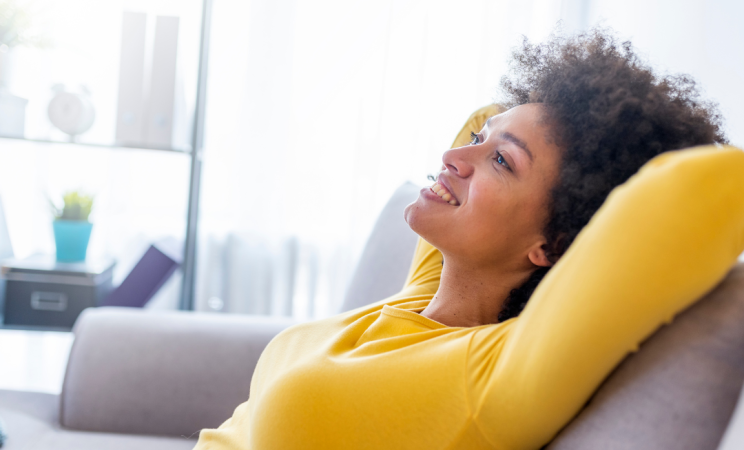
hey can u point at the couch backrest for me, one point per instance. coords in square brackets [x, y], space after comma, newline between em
[679, 390]
[167, 373]
[733, 438]
[384, 264]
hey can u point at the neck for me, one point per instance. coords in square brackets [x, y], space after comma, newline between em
[470, 297]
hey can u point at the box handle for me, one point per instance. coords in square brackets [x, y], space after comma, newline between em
[49, 301]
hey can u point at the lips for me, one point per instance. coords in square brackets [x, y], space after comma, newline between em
[442, 191]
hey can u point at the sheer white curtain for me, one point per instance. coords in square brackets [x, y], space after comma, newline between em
[317, 111]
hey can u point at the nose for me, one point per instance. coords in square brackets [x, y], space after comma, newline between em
[459, 160]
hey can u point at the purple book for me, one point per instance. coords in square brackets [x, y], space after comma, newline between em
[147, 277]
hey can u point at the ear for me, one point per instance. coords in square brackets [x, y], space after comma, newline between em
[538, 255]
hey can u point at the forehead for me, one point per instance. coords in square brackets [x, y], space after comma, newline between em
[529, 123]
[526, 116]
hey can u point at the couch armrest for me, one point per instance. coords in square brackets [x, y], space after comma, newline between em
[165, 373]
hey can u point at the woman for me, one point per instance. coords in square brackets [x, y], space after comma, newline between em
[460, 358]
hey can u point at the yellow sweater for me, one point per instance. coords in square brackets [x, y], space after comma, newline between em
[384, 377]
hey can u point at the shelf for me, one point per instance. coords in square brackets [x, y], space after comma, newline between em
[89, 144]
[34, 328]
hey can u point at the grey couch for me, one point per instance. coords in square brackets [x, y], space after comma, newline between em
[152, 380]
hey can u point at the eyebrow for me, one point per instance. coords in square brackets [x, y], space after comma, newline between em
[518, 142]
[505, 135]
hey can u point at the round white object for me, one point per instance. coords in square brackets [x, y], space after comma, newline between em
[71, 112]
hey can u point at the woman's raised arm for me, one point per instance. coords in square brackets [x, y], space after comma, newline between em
[659, 242]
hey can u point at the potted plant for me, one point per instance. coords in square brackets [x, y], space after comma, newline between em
[17, 29]
[71, 226]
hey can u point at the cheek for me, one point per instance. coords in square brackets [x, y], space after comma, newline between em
[490, 218]
[491, 209]
[502, 224]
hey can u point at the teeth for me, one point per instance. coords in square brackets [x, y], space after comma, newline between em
[442, 192]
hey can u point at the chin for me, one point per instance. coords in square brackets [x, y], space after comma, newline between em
[432, 220]
[415, 216]
[410, 213]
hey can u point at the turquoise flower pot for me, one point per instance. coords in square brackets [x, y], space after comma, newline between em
[72, 237]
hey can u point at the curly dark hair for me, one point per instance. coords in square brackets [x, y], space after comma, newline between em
[610, 114]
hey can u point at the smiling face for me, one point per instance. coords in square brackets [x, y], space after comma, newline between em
[493, 195]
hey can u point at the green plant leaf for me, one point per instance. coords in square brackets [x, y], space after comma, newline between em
[77, 206]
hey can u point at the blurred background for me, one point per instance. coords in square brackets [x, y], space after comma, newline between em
[316, 111]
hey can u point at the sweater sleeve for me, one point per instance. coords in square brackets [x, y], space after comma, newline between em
[659, 242]
[231, 435]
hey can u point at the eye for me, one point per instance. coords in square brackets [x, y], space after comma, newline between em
[474, 139]
[500, 160]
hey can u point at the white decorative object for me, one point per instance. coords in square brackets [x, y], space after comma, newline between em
[150, 110]
[12, 107]
[7, 56]
[158, 127]
[130, 108]
[72, 112]
[12, 114]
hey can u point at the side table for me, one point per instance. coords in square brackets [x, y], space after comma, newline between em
[42, 293]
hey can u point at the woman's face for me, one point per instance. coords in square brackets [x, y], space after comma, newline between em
[499, 189]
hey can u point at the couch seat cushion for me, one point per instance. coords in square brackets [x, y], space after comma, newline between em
[31, 422]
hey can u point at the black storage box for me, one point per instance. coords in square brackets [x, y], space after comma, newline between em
[41, 292]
